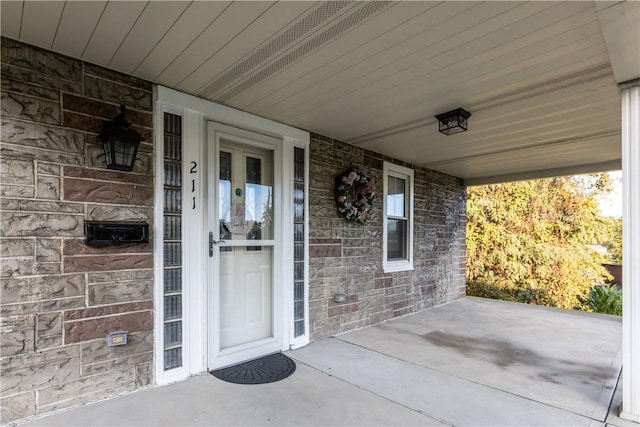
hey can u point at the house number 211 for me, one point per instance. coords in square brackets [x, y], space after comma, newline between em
[193, 170]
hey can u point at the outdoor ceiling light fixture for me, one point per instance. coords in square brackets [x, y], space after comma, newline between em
[454, 121]
[120, 142]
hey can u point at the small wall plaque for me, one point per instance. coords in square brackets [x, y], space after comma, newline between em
[116, 338]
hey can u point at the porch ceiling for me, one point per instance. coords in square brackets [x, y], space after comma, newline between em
[537, 76]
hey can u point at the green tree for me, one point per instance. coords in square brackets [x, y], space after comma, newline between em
[527, 240]
[613, 240]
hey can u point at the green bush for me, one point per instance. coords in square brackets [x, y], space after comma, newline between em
[516, 294]
[606, 299]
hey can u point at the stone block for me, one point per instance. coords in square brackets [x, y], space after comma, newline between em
[107, 262]
[53, 341]
[104, 110]
[120, 276]
[115, 76]
[82, 122]
[12, 267]
[48, 250]
[373, 162]
[321, 292]
[320, 139]
[117, 364]
[15, 171]
[48, 169]
[144, 367]
[97, 352]
[26, 152]
[321, 251]
[107, 175]
[90, 107]
[85, 330]
[402, 304]
[17, 247]
[144, 379]
[110, 293]
[40, 357]
[89, 385]
[347, 148]
[41, 288]
[16, 335]
[320, 148]
[41, 306]
[41, 136]
[24, 88]
[22, 191]
[83, 190]
[48, 330]
[349, 325]
[18, 205]
[48, 187]
[16, 224]
[39, 79]
[108, 310]
[108, 90]
[342, 309]
[360, 253]
[359, 288]
[119, 213]
[324, 328]
[402, 312]
[317, 314]
[28, 108]
[18, 406]
[41, 60]
[380, 316]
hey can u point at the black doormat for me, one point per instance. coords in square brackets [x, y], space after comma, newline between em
[267, 369]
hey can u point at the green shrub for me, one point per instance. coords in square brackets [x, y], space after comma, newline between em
[516, 294]
[606, 299]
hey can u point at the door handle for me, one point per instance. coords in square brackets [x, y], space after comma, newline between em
[213, 242]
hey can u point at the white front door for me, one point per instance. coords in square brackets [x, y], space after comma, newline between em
[242, 223]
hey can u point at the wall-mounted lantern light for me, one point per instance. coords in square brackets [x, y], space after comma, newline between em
[120, 143]
[453, 121]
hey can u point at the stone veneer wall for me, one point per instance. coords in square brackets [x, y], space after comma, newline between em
[59, 297]
[347, 258]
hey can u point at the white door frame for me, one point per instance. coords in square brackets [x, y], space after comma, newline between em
[218, 357]
[196, 112]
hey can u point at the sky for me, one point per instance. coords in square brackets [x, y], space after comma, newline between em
[611, 204]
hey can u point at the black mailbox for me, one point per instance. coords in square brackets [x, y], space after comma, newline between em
[112, 233]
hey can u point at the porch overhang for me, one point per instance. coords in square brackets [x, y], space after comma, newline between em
[539, 77]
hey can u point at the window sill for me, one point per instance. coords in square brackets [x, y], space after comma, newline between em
[393, 267]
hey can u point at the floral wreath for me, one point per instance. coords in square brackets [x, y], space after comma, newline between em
[355, 196]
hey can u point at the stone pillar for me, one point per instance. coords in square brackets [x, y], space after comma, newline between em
[630, 409]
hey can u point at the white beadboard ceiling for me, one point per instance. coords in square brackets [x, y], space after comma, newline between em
[537, 77]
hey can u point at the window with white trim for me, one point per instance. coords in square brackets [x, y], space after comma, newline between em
[397, 218]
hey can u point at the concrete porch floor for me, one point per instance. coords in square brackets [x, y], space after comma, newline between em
[470, 362]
